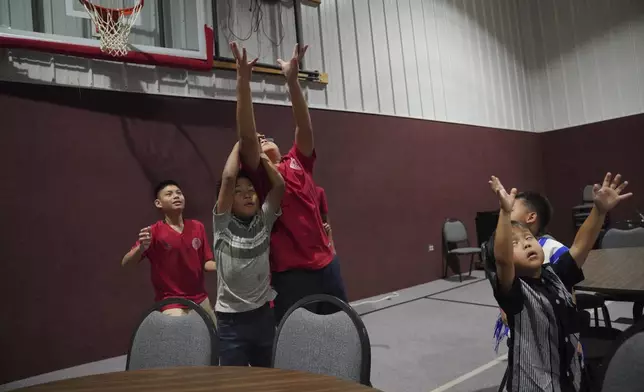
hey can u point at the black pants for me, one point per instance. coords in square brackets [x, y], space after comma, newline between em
[246, 338]
[293, 285]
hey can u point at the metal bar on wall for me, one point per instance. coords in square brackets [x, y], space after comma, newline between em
[216, 28]
[161, 23]
[298, 27]
[37, 18]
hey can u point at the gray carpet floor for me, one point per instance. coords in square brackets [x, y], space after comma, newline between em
[438, 337]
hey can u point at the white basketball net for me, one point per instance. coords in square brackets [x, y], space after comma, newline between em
[113, 26]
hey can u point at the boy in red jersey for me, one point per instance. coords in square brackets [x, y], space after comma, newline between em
[178, 252]
[324, 213]
[302, 259]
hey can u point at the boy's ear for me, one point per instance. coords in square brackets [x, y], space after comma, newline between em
[532, 217]
[157, 203]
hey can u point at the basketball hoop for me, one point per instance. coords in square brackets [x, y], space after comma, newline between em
[113, 25]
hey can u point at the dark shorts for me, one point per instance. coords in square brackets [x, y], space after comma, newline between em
[293, 285]
[246, 338]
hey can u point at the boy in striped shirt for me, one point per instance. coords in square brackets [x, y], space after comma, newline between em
[536, 297]
[533, 210]
[242, 231]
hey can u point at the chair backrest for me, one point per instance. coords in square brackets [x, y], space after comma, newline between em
[624, 372]
[616, 238]
[168, 341]
[638, 328]
[588, 194]
[454, 231]
[335, 344]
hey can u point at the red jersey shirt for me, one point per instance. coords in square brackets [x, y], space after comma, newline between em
[324, 207]
[298, 240]
[177, 260]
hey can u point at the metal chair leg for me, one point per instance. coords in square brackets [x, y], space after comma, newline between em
[471, 264]
[504, 380]
[444, 268]
[596, 318]
[638, 309]
[606, 317]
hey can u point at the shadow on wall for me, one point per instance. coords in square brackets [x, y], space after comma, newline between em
[543, 31]
[155, 160]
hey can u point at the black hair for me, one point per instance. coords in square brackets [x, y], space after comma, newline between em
[539, 204]
[160, 186]
[240, 174]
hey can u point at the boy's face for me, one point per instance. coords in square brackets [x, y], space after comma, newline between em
[528, 254]
[245, 201]
[521, 213]
[270, 149]
[170, 199]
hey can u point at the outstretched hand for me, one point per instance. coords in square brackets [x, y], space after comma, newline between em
[609, 194]
[291, 68]
[506, 200]
[244, 67]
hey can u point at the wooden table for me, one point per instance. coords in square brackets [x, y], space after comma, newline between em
[618, 273]
[614, 271]
[211, 378]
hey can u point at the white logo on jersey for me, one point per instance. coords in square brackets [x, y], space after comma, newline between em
[294, 165]
[196, 243]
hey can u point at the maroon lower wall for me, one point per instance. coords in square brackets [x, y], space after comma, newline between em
[78, 166]
[579, 156]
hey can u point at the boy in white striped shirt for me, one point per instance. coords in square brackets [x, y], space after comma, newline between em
[535, 211]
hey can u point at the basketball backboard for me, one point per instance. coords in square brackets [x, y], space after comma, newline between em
[170, 28]
[268, 30]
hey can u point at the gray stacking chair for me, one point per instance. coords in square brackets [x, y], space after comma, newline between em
[616, 238]
[455, 234]
[168, 341]
[334, 344]
[587, 203]
[624, 371]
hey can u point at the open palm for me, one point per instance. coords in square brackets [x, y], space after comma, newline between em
[244, 67]
[506, 200]
[291, 68]
[609, 194]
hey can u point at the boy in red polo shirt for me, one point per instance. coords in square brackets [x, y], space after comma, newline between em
[324, 213]
[178, 252]
[301, 257]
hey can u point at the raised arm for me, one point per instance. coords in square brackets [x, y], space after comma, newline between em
[303, 127]
[274, 197]
[228, 180]
[605, 197]
[503, 248]
[246, 131]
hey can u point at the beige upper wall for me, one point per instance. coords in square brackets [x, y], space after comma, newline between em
[413, 58]
[586, 60]
[522, 65]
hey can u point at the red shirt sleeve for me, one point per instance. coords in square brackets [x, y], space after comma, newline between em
[260, 180]
[207, 249]
[324, 208]
[306, 162]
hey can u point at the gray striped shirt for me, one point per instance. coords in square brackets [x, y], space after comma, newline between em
[544, 352]
[241, 250]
